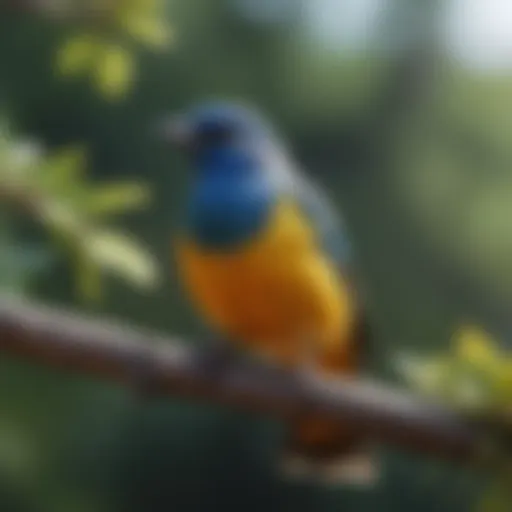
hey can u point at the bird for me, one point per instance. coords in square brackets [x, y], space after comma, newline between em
[266, 262]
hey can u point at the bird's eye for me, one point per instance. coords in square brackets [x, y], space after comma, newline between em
[213, 134]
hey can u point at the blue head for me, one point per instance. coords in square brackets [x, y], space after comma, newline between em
[231, 191]
[222, 137]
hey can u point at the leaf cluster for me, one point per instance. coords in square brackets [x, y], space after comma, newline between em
[474, 375]
[52, 190]
[101, 45]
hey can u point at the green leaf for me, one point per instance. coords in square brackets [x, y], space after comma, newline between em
[115, 198]
[429, 375]
[63, 169]
[88, 276]
[149, 30]
[114, 72]
[470, 392]
[59, 218]
[120, 254]
[476, 346]
[21, 159]
[77, 54]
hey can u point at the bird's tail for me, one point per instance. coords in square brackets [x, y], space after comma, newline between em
[322, 451]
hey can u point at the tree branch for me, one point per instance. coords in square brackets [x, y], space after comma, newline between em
[72, 343]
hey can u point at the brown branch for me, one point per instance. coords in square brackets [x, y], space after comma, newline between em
[118, 353]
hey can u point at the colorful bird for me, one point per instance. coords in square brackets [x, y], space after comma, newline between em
[266, 263]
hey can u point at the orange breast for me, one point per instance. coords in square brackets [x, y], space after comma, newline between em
[275, 295]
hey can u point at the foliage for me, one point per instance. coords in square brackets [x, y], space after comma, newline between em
[51, 189]
[100, 46]
[475, 375]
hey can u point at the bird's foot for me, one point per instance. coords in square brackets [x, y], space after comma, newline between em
[217, 356]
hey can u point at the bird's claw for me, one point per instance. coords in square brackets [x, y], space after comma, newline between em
[216, 357]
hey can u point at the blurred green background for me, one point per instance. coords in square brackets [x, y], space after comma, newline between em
[401, 108]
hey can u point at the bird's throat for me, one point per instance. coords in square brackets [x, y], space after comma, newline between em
[224, 214]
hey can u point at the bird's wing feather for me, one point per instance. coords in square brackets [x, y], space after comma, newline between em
[327, 223]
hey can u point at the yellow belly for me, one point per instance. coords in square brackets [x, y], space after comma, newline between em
[278, 295]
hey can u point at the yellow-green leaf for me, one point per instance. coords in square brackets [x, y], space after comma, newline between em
[427, 375]
[60, 219]
[120, 254]
[114, 71]
[71, 234]
[88, 277]
[77, 54]
[64, 168]
[116, 198]
[470, 392]
[507, 371]
[21, 158]
[475, 346]
[149, 30]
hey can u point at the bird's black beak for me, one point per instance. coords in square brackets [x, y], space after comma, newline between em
[176, 131]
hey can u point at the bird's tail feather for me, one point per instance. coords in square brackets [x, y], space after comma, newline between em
[355, 470]
[320, 450]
